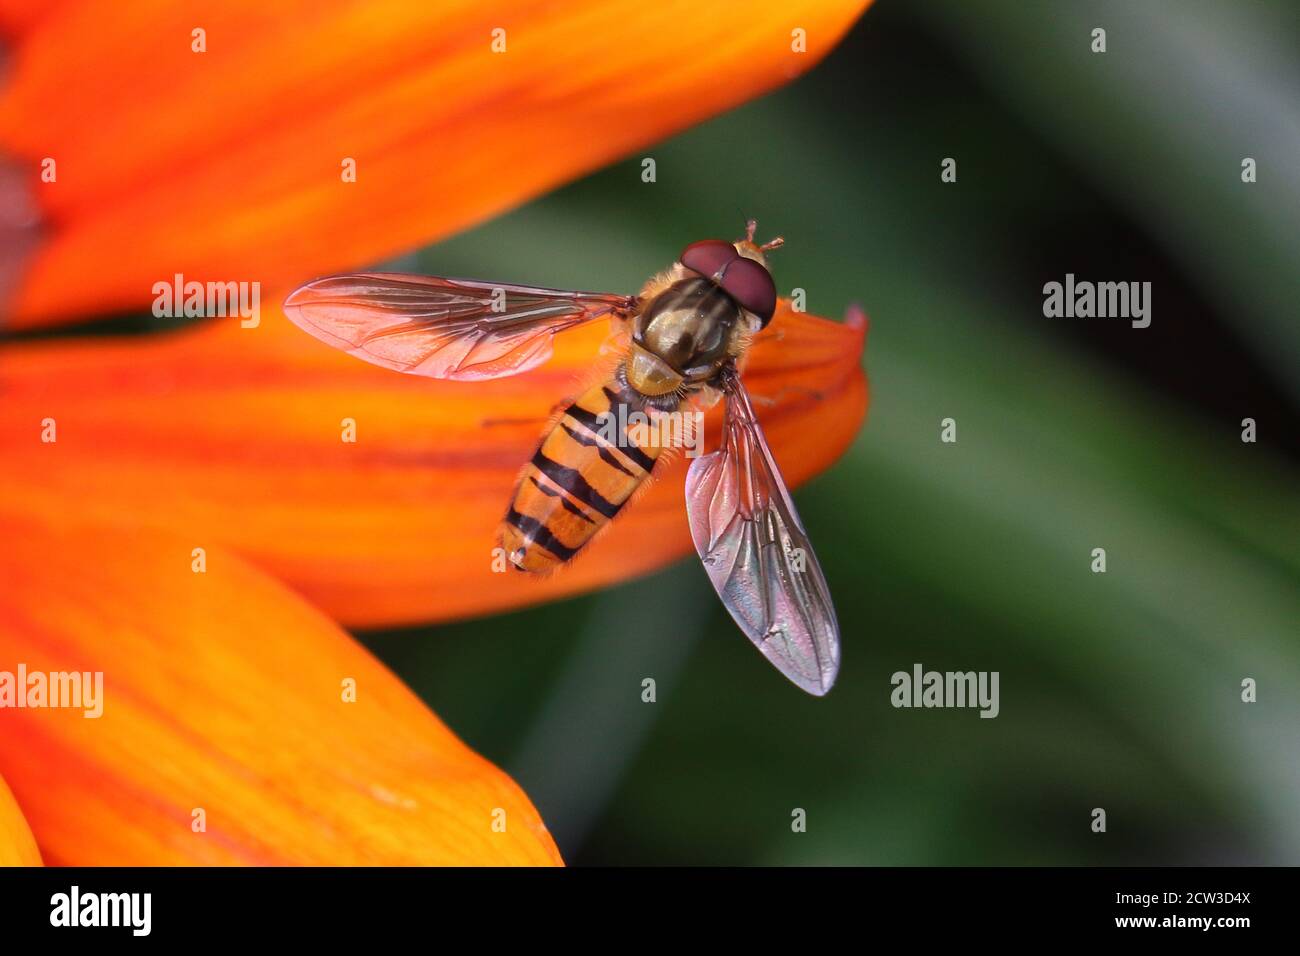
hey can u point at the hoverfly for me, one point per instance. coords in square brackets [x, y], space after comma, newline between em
[684, 338]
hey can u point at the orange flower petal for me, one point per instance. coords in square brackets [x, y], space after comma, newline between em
[234, 437]
[444, 131]
[17, 845]
[19, 16]
[223, 692]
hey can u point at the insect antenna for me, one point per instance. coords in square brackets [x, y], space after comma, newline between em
[751, 226]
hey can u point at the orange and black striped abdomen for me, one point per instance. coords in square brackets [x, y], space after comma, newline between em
[578, 479]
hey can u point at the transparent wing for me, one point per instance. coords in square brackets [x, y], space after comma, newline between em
[757, 554]
[460, 329]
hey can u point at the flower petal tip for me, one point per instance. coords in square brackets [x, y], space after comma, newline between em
[856, 318]
[17, 845]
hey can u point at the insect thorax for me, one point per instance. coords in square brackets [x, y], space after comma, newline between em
[682, 337]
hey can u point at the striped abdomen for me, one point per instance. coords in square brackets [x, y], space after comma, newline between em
[578, 479]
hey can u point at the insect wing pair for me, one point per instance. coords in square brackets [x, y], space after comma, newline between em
[743, 522]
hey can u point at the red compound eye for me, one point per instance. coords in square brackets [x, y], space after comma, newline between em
[751, 285]
[708, 256]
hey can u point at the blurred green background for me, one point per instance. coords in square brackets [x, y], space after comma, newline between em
[1119, 690]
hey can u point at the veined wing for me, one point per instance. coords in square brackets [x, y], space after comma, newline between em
[756, 552]
[461, 329]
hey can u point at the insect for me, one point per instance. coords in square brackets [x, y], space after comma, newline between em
[683, 341]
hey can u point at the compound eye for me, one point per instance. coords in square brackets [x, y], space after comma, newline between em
[708, 256]
[751, 285]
